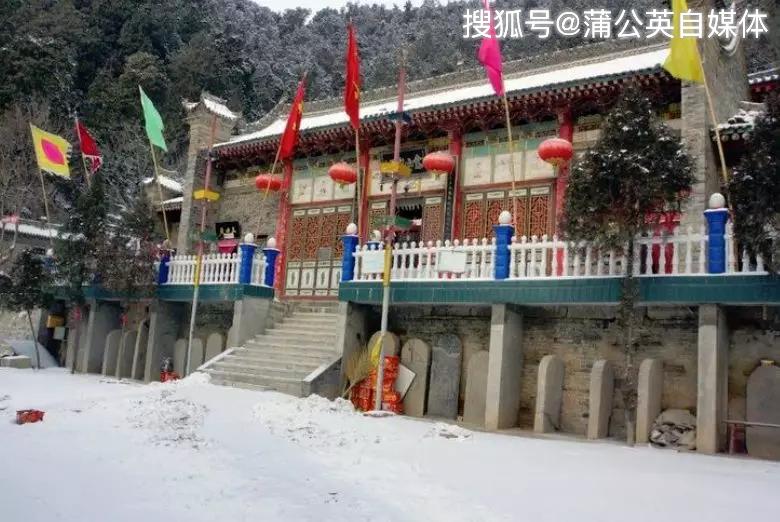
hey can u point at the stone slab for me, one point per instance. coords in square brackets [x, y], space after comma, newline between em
[124, 361]
[549, 393]
[649, 391]
[602, 387]
[476, 388]
[179, 355]
[20, 362]
[416, 355]
[140, 350]
[215, 344]
[763, 405]
[392, 345]
[196, 355]
[111, 352]
[446, 357]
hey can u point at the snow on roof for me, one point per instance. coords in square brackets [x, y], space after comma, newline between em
[769, 75]
[169, 183]
[522, 82]
[214, 105]
[27, 229]
[741, 124]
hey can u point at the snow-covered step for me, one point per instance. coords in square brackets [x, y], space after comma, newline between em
[302, 339]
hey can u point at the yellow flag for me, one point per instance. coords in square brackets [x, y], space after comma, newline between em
[683, 62]
[51, 152]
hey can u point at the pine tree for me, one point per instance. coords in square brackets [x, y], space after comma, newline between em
[27, 287]
[80, 247]
[132, 249]
[754, 189]
[636, 171]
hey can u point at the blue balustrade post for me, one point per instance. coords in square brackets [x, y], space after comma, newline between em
[350, 240]
[717, 216]
[162, 273]
[248, 249]
[504, 232]
[271, 254]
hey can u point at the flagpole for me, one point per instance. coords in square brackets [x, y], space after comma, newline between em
[357, 186]
[511, 160]
[46, 206]
[714, 118]
[159, 190]
[199, 259]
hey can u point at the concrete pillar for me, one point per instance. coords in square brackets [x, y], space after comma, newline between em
[505, 365]
[549, 394]
[602, 386]
[712, 388]
[250, 315]
[649, 390]
[164, 321]
[103, 317]
[353, 331]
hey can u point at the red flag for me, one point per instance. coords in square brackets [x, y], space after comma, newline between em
[290, 136]
[490, 55]
[89, 148]
[352, 90]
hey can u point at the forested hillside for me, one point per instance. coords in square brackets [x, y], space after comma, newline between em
[89, 56]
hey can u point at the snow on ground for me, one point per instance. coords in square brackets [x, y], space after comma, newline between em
[121, 451]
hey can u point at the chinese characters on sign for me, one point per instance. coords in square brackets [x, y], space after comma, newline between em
[604, 24]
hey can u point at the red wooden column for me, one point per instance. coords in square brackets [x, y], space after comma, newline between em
[566, 132]
[281, 226]
[455, 134]
[365, 186]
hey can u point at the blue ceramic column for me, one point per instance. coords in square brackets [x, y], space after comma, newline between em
[350, 240]
[271, 253]
[162, 273]
[248, 249]
[717, 216]
[504, 232]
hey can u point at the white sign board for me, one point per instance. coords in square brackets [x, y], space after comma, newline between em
[373, 262]
[453, 261]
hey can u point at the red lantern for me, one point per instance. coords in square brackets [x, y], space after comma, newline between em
[439, 163]
[342, 173]
[556, 151]
[268, 182]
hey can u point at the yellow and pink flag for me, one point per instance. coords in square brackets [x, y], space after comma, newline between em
[51, 151]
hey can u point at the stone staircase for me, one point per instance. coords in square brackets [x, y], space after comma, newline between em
[301, 339]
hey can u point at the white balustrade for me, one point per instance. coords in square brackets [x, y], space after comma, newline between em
[216, 269]
[258, 269]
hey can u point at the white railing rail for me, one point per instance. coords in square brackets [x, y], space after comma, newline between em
[216, 269]
[682, 252]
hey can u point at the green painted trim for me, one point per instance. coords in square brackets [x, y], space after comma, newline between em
[656, 290]
[184, 293]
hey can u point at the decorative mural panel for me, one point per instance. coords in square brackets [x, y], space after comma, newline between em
[343, 191]
[292, 281]
[494, 207]
[502, 172]
[312, 238]
[534, 166]
[323, 188]
[532, 209]
[476, 170]
[302, 189]
[432, 219]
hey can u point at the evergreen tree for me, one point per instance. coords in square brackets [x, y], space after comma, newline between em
[80, 247]
[132, 248]
[636, 171]
[754, 189]
[27, 287]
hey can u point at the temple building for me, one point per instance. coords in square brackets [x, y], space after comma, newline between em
[502, 322]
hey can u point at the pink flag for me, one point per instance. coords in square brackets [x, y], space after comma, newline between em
[490, 55]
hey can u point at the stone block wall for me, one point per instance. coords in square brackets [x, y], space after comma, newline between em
[582, 335]
[212, 317]
[243, 203]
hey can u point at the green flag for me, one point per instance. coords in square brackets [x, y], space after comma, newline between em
[154, 123]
